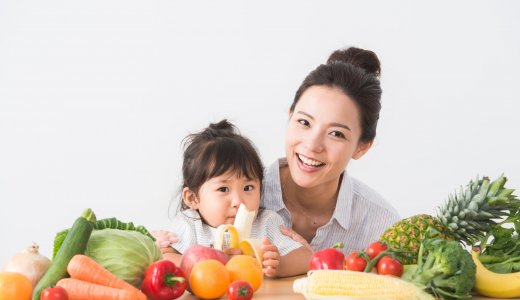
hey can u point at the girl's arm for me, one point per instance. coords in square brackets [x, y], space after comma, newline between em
[164, 239]
[293, 263]
[172, 254]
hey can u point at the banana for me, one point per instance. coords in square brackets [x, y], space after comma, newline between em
[238, 235]
[493, 284]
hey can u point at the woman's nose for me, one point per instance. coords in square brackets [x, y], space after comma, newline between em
[314, 142]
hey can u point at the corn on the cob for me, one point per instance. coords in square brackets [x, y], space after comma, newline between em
[329, 284]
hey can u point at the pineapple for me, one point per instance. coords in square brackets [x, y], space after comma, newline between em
[465, 217]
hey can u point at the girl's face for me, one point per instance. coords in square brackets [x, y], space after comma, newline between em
[219, 198]
[322, 136]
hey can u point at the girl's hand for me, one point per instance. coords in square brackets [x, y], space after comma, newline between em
[271, 258]
[163, 238]
[295, 237]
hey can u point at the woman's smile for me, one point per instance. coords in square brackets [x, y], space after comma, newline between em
[309, 164]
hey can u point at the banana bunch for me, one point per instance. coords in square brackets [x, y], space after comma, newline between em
[493, 284]
[238, 235]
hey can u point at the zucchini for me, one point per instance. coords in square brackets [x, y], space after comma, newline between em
[74, 243]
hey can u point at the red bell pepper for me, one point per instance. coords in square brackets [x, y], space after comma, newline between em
[163, 280]
[328, 258]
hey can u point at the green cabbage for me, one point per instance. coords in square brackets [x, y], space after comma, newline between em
[124, 253]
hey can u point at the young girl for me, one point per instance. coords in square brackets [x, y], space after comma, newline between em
[221, 170]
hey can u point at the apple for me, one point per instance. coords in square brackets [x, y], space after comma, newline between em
[196, 253]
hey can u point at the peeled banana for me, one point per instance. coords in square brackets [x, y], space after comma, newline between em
[493, 284]
[238, 235]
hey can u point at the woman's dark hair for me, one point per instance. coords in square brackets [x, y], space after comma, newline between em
[216, 150]
[356, 72]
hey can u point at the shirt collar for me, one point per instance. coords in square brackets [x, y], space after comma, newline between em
[343, 209]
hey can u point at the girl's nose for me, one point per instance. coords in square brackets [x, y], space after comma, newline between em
[236, 200]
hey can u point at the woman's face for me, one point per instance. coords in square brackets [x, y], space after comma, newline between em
[322, 136]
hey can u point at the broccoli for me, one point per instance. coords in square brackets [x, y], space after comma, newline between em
[444, 268]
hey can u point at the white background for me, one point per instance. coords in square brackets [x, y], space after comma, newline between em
[96, 96]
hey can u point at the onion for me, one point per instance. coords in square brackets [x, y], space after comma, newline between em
[30, 263]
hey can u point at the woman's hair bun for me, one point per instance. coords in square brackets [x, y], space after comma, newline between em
[362, 58]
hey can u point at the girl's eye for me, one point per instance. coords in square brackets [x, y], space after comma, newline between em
[338, 134]
[303, 122]
[249, 187]
[223, 189]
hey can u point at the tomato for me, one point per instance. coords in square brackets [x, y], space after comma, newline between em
[375, 248]
[353, 262]
[54, 293]
[240, 290]
[389, 266]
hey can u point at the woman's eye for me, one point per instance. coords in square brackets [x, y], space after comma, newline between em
[223, 189]
[249, 187]
[303, 122]
[338, 134]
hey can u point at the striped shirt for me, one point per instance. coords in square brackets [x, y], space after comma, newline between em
[360, 217]
[190, 230]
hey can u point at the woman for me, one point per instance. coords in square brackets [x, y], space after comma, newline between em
[332, 120]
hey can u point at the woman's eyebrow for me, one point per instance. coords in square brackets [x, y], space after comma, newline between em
[340, 125]
[335, 124]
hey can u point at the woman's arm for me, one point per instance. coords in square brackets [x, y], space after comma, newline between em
[293, 263]
[295, 237]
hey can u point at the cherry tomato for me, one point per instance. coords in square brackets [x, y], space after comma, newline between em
[54, 293]
[375, 248]
[354, 262]
[240, 290]
[389, 266]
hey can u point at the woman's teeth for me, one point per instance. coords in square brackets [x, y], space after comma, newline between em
[310, 162]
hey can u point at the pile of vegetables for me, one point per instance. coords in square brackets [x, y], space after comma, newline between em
[122, 248]
[103, 258]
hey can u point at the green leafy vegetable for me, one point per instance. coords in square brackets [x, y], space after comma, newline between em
[109, 223]
[124, 253]
[501, 246]
[444, 268]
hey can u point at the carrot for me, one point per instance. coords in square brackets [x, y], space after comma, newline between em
[82, 290]
[85, 268]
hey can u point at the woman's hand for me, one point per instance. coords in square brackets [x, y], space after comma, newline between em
[271, 258]
[163, 238]
[295, 237]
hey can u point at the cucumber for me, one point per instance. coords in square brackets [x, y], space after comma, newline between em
[74, 243]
